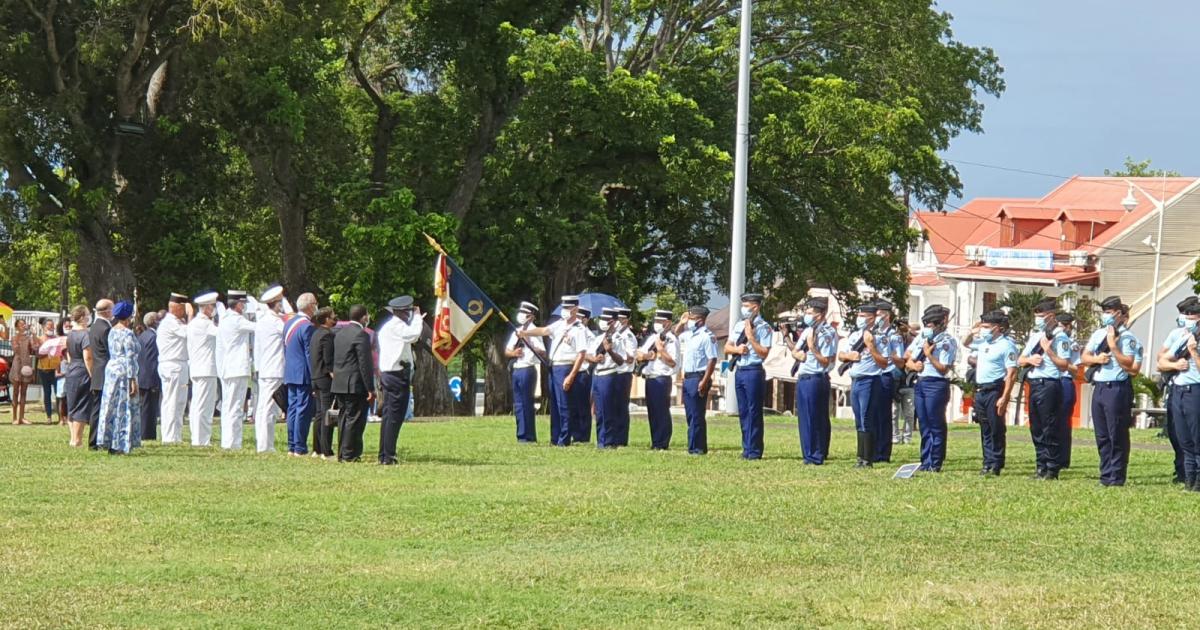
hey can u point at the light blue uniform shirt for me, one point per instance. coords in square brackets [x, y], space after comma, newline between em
[1061, 344]
[1176, 341]
[699, 346]
[826, 344]
[993, 359]
[866, 365]
[1130, 346]
[945, 349]
[895, 349]
[762, 332]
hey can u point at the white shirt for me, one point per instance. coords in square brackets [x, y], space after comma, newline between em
[172, 340]
[202, 346]
[268, 344]
[528, 358]
[233, 345]
[395, 338]
[658, 367]
[625, 342]
[566, 342]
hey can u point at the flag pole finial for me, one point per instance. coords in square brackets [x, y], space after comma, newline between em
[434, 244]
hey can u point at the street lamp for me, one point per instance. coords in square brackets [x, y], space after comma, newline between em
[1160, 206]
[737, 258]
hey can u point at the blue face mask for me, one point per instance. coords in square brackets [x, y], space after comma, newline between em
[1190, 325]
[1039, 325]
[927, 333]
[1107, 319]
[861, 323]
[808, 319]
[746, 312]
[986, 335]
[1181, 321]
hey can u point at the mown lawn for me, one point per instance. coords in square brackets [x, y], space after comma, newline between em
[474, 529]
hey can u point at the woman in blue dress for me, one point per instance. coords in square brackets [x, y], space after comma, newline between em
[119, 408]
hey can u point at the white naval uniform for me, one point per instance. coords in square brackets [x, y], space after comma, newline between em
[173, 371]
[202, 367]
[234, 334]
[268, 363]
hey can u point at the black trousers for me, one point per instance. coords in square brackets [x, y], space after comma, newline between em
[395, 407]
[94, 418]
[1045, 403]
[351, 423]
[322, 433]
[150, 408]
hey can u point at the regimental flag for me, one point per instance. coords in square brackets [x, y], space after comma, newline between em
[461, 308]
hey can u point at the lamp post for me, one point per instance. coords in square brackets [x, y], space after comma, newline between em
[737, 258]
[1160, 206]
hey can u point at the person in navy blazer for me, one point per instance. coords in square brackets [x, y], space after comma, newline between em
[297, 376]
[149, 383]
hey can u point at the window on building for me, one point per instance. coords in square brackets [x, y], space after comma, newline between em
[989, 301]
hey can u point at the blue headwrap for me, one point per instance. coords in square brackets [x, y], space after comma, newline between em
[123, 310]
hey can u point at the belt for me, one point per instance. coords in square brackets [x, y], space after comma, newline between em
[606, 372]
[1044, 379]
[693, 374]
[561, 363]
[805, 377]
[990, 387]
[1111, 383]
[522, 367]
[757, 367]
[932, 378]
[859, 378]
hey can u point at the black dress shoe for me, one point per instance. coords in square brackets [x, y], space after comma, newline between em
[986, 471]
[388, 462]
[1050, 475]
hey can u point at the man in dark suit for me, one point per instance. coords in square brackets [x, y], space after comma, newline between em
[149, 383]
[98, 337]
[321, 367]
[353, 382]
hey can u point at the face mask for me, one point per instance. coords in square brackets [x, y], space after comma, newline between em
[522, 318]
[1190, 325]
[860, 323]
[1108, 319]
[1039, 325]
[808, 319]
[927, 333]
[691, 324]
[986, 335]
[746, 312]
[1181, 321]
[658, 328]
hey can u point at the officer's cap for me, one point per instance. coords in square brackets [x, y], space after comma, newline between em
[933, 318]
[570, 300]
[204, 299]
[1191, 299]
[608, 312]
[753, 298]
[1111, 303]
[1046, 306]
[583, 311]
[401, 303]
[883, 305]
[235, 296]
[1064, 318]
[528, 307]
[999, 318]
[624, 312]
[1192, 309]
[869, 307]
[702, 311]
[664, 314]
[273, 294]
[818, 304]
[178, 298]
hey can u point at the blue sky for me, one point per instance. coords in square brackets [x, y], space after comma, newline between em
[1087, 84]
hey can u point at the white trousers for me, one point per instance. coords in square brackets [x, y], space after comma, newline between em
[233, 410]
[204, 401]
[265, 413]
[174, 375]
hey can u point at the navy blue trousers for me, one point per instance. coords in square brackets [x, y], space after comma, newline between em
[606, 394]
[1173, 436]
[930, 397]
[658, 408]
[812, 416]
[748, 385]
[1064, 421]
[560, 407]
[1045, 403]
[299, 417]
[619, 423]
[1112, 415]
[992, 431]
[523, 382]
[581, 403]
[695, 406]
[866, 394]
[883, 423]
[1185, 411]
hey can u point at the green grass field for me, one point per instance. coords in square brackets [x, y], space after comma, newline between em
[474, 529]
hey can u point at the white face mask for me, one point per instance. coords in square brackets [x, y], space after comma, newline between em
[691, 324]
[659, 327]
[746, 312]
[522, 318]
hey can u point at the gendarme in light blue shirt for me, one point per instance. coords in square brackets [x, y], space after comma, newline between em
[762, 332]
[827, 344]
[699, 346]
[945, 349]
[1112, 371]
[866, 366]
[993, 359]
[1060, 343]
[1177, 340]
[895, 348]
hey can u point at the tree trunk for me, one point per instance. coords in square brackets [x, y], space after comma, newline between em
[103, 272]
[272, 166]
[497, 380]
[465, 406]
[430, 386]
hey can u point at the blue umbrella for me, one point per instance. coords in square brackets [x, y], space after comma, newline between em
[593, 302]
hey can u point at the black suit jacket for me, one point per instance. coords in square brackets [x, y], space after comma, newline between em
[321, 366]
[99, 340]
[353, 367]
[148, 361]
